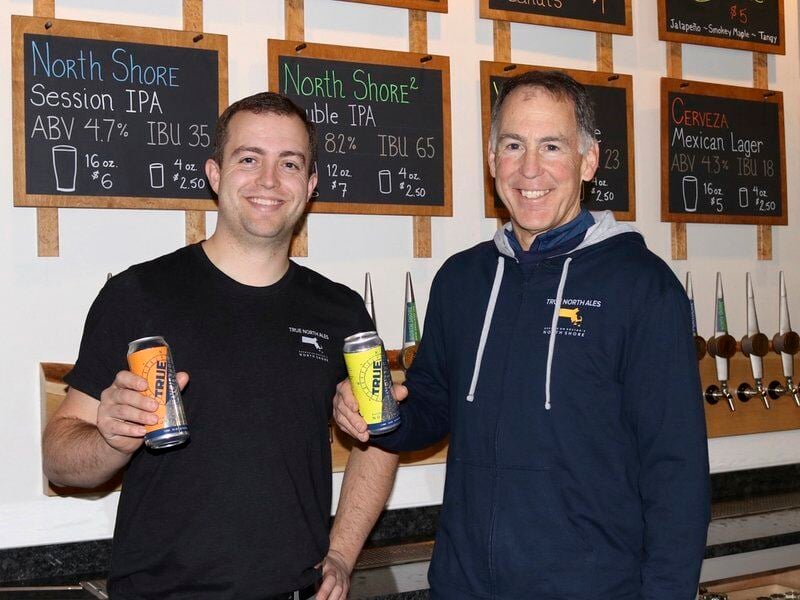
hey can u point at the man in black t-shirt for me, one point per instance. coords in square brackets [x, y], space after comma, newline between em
[242, 510]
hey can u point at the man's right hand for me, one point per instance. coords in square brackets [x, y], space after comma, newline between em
[123, 411]
[345, 409]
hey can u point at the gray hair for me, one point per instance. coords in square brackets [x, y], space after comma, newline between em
[559, 85]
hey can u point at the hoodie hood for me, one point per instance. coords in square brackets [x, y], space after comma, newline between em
[605, 227]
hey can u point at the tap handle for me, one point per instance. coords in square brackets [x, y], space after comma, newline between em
[722, 346]
[788, 343]
[756, 345]
[700, 347]
[407, 355]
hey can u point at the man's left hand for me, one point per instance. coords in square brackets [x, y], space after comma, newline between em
[335, 578]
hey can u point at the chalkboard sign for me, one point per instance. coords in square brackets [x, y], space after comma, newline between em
[613, 186]
[609, 16]
[755, 25]
[383, 125]
[113, 116]
[431, 5]
[722, 154]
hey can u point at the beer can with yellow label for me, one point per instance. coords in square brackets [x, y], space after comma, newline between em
[371, 381]
[151, 358]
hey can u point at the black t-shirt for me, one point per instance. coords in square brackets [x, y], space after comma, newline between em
[242, 510]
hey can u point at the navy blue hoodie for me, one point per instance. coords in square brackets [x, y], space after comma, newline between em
[578, 462]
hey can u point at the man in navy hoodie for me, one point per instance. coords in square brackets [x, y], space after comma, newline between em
[559, 358]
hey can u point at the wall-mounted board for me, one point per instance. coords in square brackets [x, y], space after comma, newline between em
[113, 116]
[754, 25]
[383, 125]
[431, 5]
[608, 16]
[723, 157]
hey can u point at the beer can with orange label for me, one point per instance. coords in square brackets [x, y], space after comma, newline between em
[151, 358]
[371, 381]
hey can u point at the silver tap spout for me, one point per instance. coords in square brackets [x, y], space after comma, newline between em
[762, 392]
[727, 394]
[793, 390]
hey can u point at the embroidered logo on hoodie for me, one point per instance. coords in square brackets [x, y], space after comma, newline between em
[572, 314]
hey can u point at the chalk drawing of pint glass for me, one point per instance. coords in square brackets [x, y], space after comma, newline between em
[65, 167]
[690, 193]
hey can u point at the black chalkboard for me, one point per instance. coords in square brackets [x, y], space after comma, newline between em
[383, 126]
[432, 5]
[722, 154]
[613, 185]
[610, 16]
[108, 118]
[755, 25]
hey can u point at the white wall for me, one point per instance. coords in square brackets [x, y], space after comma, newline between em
[45, 299]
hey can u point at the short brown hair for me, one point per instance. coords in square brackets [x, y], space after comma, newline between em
[264, 102]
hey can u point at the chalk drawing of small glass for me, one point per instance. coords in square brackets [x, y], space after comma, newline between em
[156, 175]
[690, 193]
[744, 199]
[385, 181]
[65, 167]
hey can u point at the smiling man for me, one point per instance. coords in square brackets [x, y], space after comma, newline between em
[559, 358]
[242, 510]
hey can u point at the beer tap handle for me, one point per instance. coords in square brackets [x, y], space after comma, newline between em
[755, 345]
[699, 342]
[411, 333]
[722, 346]
[786, 343]
[368, 303]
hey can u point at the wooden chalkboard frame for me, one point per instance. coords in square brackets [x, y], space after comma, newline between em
[687, 38]
[554, 21]
[724, 91]
[429, 5]
[278, 48]
[103, 32]
[502, 69]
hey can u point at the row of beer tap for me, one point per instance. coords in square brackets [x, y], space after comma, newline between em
[755, 346]
[721, 346]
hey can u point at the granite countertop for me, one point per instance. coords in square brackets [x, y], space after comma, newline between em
[752, 510]
[734, 535]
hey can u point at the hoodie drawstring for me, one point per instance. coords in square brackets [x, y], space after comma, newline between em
[553, 328]
[487, 321]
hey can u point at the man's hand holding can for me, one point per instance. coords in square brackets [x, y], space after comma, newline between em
[345, 409]
[124, 411]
